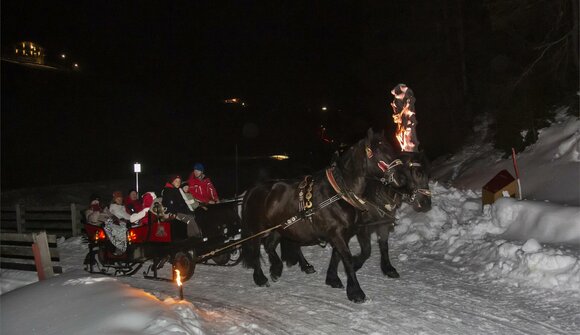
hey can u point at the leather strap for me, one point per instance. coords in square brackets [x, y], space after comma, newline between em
[334, 184]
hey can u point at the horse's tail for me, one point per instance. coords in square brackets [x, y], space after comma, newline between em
[288, 252]
[250, 249]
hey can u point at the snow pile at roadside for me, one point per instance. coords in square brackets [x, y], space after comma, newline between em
[549, 169]
[92, 305]
[13, 279]
[476, 240]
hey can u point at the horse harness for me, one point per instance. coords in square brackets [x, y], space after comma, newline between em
[307, 209]
[336, 180]
[305, 193]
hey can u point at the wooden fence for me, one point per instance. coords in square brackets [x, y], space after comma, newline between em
[31, 252]
[61, 221]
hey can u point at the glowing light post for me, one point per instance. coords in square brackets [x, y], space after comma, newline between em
[179, 283]
[137, 169]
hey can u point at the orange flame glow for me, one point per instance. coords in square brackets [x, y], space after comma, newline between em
[131, 236]
[404, 133]
[178, 277]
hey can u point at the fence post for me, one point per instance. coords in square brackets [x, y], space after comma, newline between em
[42, 255]
[20, 219]
[74, 219]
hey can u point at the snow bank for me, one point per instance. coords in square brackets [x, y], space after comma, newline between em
[92, 305]
[545, 222]
[13, 279]
[549, 169]
[477, 240]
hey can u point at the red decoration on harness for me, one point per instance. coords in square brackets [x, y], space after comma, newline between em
[383, 166]
[369, 152]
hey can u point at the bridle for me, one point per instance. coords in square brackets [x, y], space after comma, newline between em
[388, 169]
[423, 191]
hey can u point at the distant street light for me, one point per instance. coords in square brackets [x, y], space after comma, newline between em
[63, 56]
[137, 169]
[324, 108]
[76, 65]
[280, 157]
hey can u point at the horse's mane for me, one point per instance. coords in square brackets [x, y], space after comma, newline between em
[344, 159]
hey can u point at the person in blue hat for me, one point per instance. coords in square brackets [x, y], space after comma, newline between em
[201, 186]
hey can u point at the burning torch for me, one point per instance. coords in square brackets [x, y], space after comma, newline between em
[179, 283]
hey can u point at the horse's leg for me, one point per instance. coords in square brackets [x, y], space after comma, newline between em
[304, 265]
[353, 289]
[332, 278]
[364, 240]
[251, 258]
[276, 265]
[292, 254]
[388, 269]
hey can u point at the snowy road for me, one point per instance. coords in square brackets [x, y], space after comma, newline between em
[431, 297]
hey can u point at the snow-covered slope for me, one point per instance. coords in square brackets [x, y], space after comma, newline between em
[549, 169]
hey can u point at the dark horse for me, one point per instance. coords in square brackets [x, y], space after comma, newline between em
[381, 217]
[383, 200]
[273, 203]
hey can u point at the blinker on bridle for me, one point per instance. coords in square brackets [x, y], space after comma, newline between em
[387, 168]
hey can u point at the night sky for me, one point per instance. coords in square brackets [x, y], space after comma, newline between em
[153, 76]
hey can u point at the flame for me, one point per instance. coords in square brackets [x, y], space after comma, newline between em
[178, 277]
[404, 133]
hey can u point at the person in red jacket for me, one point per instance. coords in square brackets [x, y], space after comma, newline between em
[132, 202]
[201, 186]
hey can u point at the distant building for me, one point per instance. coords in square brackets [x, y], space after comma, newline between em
[28, 52]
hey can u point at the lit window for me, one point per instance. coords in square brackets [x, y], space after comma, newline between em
[16, 50]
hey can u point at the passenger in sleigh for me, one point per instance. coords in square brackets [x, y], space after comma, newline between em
[142, 217]
[175, 202]
[118, 209]
[132, 203]
[190, 201]
[96, 214]
[201, 187]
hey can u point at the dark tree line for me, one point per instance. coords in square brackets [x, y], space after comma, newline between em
[536, 65]
[513, 59]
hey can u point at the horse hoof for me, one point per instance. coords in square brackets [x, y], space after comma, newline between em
[274, 278]
[390, 272]
[308, 269]
[264, 284]
[393, 274]
[261, 281]
[357, 298]
[334, 283]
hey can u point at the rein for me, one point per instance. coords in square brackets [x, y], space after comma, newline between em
[347, 196]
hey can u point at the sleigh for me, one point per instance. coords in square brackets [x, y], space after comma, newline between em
[164, 240]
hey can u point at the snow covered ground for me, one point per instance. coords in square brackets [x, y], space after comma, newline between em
[510, 268]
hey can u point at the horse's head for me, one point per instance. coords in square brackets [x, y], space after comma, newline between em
[382, 162]
[414, 176]
[383, 196]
